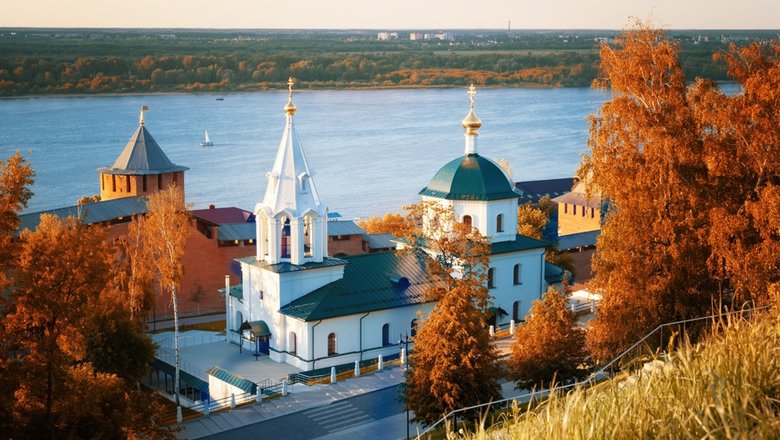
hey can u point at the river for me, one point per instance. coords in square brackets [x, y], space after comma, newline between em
[371, 150]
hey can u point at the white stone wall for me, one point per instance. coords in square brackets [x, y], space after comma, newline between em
[483, 215]
[532, 284]
[219, 389]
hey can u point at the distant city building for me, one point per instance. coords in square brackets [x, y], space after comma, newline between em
[384, 36]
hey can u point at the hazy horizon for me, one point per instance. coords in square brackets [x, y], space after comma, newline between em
[399, 15]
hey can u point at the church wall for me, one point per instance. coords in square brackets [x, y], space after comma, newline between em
[531, 286]
[348, 335]
[483, 215]
[299, 283]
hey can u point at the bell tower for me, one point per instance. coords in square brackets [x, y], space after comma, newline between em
[292, 224]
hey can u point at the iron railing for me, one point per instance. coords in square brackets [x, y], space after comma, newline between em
[636, 353]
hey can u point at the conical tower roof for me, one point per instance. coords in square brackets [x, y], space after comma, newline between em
[290, 182]
[142, 155]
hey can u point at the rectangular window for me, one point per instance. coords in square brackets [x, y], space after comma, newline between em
[103, 182]
[592, 212]
[127, 181]
[159, 181]
[144, 182]
[176, 179]
[113, 182]
[565, 208]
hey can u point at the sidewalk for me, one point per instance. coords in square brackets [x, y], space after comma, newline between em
[316, 396]
[313, 397]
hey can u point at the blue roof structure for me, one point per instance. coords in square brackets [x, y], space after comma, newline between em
[90, 213]
[142, 155]
[470, 177]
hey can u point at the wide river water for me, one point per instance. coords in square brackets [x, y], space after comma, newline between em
[372, 151]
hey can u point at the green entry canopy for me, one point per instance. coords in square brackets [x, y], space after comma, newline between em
[259, 329]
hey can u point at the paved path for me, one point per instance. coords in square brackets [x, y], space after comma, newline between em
[323, 418]
[317, 396]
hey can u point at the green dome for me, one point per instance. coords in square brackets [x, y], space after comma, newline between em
[471, 177]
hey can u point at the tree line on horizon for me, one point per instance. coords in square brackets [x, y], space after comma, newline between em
[122, 64]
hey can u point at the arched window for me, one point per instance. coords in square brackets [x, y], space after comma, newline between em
[500, 223]
[516, 311]
[467, 220]
[292, 343]
[308, 235]
[385, 335]
[286, 238]
[332, 344]
[239, 320]
[491, 278]
[413, 327]
[516, 274]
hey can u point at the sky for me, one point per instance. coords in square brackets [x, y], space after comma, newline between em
[392, 15]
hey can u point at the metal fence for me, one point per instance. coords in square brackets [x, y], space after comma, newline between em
[650, 347]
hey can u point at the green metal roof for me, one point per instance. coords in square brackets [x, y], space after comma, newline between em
[470, 177]
[344, 227]
[237, 381]
[186, 377]
[553, 274]
[237, 231]
[377, 281]
[259, 328]
[520, 243]
[236, 291]
[95, 212]
[289, 267]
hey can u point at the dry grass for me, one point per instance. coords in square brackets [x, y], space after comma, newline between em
[726, 388]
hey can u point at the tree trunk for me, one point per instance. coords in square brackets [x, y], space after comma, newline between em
[176, 341]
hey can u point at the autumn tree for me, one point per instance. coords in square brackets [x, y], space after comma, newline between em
[646, 158]
[531, 221]
[63, 269]
[453, 364]
[165, 229]
[741, 150]
[548, 346]
[390, 223]
[16, 177]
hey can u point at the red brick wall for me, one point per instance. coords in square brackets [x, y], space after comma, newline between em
[350, 245]
[108, 183]
[205, 266]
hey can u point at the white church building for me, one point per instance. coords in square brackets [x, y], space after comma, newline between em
[305, 308]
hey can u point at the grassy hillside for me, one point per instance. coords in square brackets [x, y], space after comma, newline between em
[728, 387]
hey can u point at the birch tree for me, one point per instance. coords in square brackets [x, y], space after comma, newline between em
[165, 229]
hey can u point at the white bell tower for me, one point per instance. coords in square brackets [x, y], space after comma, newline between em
[292, 224]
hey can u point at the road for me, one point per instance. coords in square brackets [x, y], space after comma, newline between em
[350, 416]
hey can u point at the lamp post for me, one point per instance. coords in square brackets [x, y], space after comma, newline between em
[404, 339]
